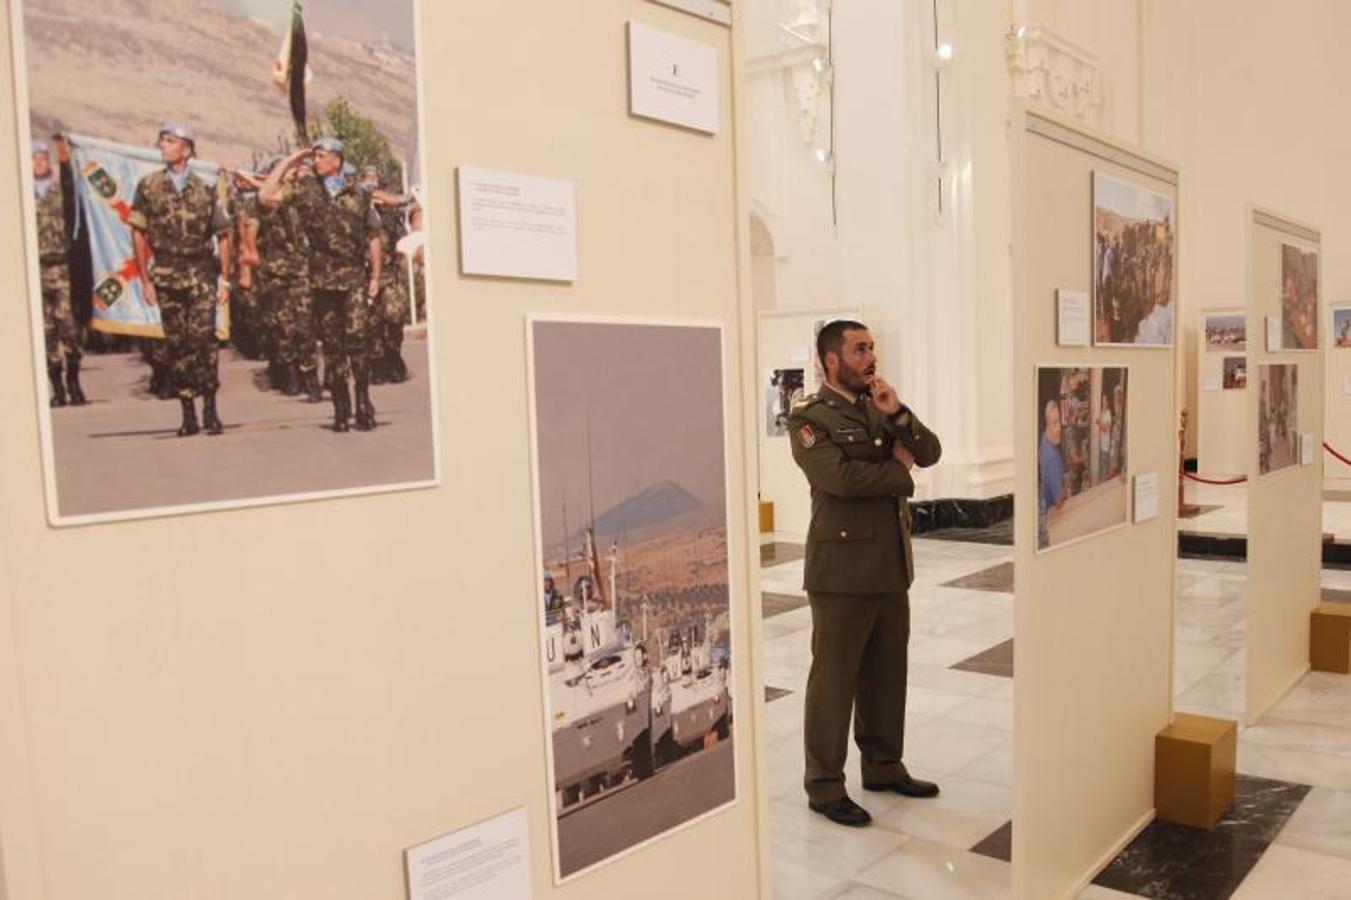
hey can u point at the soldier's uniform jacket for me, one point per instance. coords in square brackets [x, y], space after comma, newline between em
[283, 241]
[391, 230]
[53, 245]
[859, 538]
[181, 226]
[340, 229]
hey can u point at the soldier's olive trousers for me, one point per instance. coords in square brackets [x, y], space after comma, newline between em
[342, 327]
[859, 645]
[288, 306]
[191, 350]
[59, 327]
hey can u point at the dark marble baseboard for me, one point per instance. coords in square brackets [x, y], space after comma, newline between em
[940, 515]
[1234, 548]
[772, 605]
[773, 554]
[773, 693]
[997, 579]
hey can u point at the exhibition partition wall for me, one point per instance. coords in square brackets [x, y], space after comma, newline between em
[787, 369]
[1285, 455]
[279, 701]
[1095, 230]
[1222, 414]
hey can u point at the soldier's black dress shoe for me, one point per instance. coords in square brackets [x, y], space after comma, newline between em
[908, 787]
[842, 812]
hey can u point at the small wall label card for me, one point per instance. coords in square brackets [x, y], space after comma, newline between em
[517, 226]
[1210, 384]
[1273, 334]
[1073, 318]
[487, 861]
[673, 79]
[1146, 497]
[1307, 447]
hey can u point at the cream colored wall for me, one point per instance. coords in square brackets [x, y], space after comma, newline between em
[1285, 521]
[272, 703]
[1093, 620]
[1231, 88]
[1222, 426]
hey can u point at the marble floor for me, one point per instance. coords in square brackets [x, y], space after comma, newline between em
[1225, 511]
[1290, 834]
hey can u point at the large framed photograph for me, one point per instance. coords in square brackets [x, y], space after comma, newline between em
[225, 235]
[1226, 331]
[1082, 441]
[1299, 298]
[1277, 417]
[1133, 252]
[635, 617]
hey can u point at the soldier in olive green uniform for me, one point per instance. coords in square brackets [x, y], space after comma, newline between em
[285, 276]
[59, 327]
[175, 217]
[345, 269]
[857, 451]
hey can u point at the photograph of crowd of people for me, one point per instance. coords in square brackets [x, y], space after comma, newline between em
[1133, 234]
[1235, 373]
[1299, 298]
[227, 229]
[635, 611]
[785, 389]
[1341, 326]
[1082, 438]
[1277, 417]
[1226, 331]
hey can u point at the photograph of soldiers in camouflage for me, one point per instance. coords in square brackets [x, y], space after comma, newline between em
[632, 518]
[1082, 439]
[248, 242]
[1235, 373]
[1277, 417]
[1133, 229]
[1299, 298]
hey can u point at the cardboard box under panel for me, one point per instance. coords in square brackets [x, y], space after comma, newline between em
[1330, 638]
[1194, 761]
[766, 516]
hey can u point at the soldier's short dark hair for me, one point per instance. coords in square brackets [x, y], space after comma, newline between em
[831, 338]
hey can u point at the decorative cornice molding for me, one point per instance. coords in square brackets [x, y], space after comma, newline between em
[1048, 69]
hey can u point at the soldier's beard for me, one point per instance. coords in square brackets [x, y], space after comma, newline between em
[855, 380]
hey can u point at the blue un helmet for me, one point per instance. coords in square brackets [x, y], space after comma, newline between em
[330, 145]
[178, 130]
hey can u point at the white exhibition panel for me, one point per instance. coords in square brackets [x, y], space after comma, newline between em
[786, 341]
[1285, 506]
[278, 701]
[1222, 413]
[1093, 617]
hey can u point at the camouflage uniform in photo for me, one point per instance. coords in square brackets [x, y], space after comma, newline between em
[340, 229]
[390, 312]
[249, 317]
[181, 226]
[284, 245]
[59, 327]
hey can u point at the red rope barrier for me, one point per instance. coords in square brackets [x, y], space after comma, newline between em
[1336, 454]
[1185, 474]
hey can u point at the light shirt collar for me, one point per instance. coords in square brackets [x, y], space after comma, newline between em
[335, 184]
[42, 185]
[846, 394]
[179, 179]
